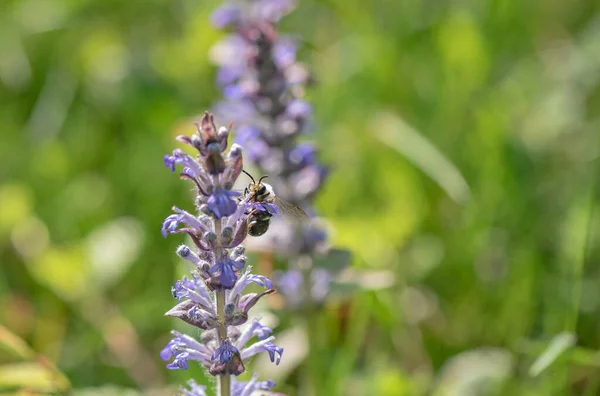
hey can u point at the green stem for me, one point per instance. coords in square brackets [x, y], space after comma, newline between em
[224, 380]
[587, 234]
[222, 329]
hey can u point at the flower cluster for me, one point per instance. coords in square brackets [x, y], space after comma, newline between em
[212, 299]
[263, 85]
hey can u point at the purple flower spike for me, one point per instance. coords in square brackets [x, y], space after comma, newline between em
[260, 78]
[264, 87]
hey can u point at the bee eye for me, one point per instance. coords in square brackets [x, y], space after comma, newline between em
[262, 190]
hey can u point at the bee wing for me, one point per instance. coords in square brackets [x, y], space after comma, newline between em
[289, 209]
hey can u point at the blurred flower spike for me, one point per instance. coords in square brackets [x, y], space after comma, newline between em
[263, 85]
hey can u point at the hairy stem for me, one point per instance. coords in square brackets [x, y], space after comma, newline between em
[224, 380]
[222, 330]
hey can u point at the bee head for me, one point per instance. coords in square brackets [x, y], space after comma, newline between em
[259, 189]
[262, 189]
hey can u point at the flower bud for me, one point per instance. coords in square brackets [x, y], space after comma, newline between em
[183, 251]
[226, 235]
[238, 251]
[240, 235]
[215, 164]
[197, 142]
[222, 138]
[208, 130]
[211, 238]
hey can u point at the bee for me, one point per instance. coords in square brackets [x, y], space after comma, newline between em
[262, 195]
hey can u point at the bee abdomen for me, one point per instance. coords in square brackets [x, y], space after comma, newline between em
[258, 223]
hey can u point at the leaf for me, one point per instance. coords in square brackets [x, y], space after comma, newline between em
[108, 390]
[343, 289]
[365, 279]
[14, 345]
[79, 270]
[39, 376]
[475, 372]
[557, 346]
[396, 133]
[112, 248]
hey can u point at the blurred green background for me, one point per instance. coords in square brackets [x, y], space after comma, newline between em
[463, 139]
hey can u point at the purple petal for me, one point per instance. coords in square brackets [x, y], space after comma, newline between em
[224, 352]
[180, 362]
[298, 109]
[220, 202]
[225, 15]
[169, 162]
[195, 389]
[273, 10]
[284, 52]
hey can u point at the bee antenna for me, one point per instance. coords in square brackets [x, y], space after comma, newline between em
[250, 176]
[261, 179]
